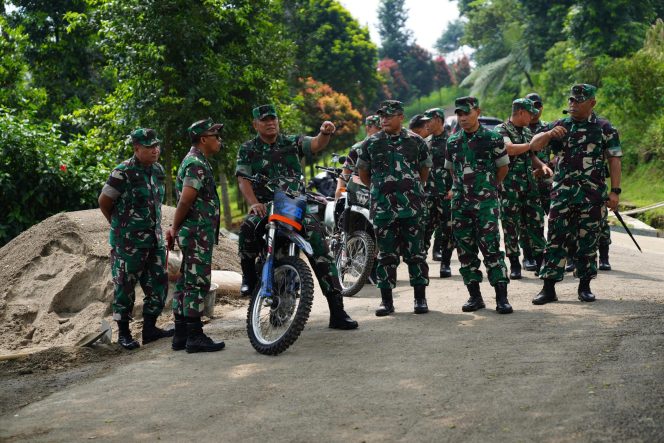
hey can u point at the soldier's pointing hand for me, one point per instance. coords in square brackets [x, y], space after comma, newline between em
[558, 132]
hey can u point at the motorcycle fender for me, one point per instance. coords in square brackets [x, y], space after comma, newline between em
[298, 240]
[361, 210]
[329, 216]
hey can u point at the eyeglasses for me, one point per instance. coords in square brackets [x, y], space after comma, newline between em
[576, 100]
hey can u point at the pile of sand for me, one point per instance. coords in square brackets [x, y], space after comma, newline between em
[55, 280]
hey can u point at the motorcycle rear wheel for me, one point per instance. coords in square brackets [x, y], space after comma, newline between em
[274, 323]
[354, 269]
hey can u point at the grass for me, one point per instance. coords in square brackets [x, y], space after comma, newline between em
[642, 186]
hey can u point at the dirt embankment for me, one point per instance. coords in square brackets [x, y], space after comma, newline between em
[55, 280]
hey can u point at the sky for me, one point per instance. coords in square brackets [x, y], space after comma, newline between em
[426, 18]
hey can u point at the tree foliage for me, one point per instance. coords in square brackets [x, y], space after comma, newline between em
[332, 47]
[450, 40]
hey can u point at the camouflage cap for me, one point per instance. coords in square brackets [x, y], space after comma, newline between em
[390, 107]
[525, 104]
[417, 121]
[262, 111]
[204, 126]
[535, 97]
[433, 112]
[372, 120]
[145, 137]
[466, 103]
[583, 92]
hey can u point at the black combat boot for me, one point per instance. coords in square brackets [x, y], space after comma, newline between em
[180, 337]
[338, 317]
[445, 271]
[515, 267]
[124, 336]
[475, 301]
[604, 264]
[421, 306]
[387, 304]
[502, 304]
[437, 253]
[150, 330]
[529, 263]
[585, 294]
[547, 294]
[197, 341]
[538, 264]
[249, 276]
[570, 266]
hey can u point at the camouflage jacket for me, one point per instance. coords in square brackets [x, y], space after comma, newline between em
[580, 174]
[195, 171]
[394, 162]
[439, 181]
[138, 193]
[351, 158]
[280, 161]
[520, 176]
[474, 160]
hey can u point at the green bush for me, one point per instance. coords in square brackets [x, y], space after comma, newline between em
[40, 175]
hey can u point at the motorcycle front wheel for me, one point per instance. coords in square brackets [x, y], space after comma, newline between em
[355, 266]
[274, 323]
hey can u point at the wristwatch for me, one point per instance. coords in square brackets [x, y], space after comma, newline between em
[616, 190]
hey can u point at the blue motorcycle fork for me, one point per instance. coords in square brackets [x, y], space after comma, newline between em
[268, 267]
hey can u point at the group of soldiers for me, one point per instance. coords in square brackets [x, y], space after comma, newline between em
[455, 188]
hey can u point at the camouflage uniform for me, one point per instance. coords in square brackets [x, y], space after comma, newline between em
[543, 183]
[474, 160]
[282, 160]
[439, 183]
[138, 253]
[521, 214]
[578, 194]
[197, 235]
[397, 202]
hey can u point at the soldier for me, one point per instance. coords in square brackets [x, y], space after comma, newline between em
[372, 125]
[131, 202]
[543, 183]
[418, 124]
[478, 161]
[278, 156]
[196, 229]
[439, 185]
[395, 164]
[519, 195]
[579, 191]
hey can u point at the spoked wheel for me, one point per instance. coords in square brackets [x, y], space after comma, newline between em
[355, 266]
[274, 323]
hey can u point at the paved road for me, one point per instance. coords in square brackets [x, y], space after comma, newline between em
[563, 372]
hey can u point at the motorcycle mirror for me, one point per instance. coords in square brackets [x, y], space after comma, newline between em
[341, 159]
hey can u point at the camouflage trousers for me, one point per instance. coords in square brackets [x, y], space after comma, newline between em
[192, 286]
[439, 223]
[251, 242]
[544, 190]
[138, 265]
[522, 218]
[568, 222]
[604, 238]
[396, 237]
[476, 229]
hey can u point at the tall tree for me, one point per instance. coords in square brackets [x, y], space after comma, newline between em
[332, 48]
[182, 60]
[394, 36]
[450, 40]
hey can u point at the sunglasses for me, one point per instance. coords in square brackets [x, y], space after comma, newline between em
[576, 100]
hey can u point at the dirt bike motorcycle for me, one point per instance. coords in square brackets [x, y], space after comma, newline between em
[352, 237]
[282, 300]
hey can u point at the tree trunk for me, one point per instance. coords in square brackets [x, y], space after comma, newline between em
[225, 200]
